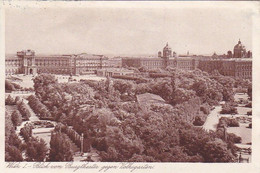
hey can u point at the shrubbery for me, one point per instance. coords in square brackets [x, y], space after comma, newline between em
[205, 109]
[18, 100]
[9, 86]
[233, 123]
[228, 108]
[249, 105]
[234, 138]
[198, 121]
[39, 108]
[23, 109]
[26, 132]
[228, 122]
[249, 113]
[16, 118]
[9, 100]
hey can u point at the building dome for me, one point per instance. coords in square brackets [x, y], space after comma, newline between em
[167, 51]
[239, 50]
[159, 54]
[239, 45]
[167, 47]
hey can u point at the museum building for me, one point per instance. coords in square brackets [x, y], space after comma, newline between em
[239, 65]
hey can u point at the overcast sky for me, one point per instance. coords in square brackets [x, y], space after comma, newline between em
[126, 31]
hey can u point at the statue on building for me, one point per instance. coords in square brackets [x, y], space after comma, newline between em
[229, 54]
[159, 54]
[249, 54]
[174, 54]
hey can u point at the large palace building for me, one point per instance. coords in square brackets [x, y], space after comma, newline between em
[26, 62]
[238, 64]
[162, 61]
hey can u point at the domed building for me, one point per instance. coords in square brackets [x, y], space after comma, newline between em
[239, 50]
[235, 67]
[167, 51]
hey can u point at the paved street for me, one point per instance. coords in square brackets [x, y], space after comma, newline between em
[212, 119]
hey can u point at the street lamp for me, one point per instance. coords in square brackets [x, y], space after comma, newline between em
[81, 140]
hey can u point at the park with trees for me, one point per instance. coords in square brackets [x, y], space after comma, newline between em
[112, 121]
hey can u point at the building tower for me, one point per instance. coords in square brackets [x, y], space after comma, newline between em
[174, 54]
[239, 50]
[167, 51]
[28, 57]
[159, 54]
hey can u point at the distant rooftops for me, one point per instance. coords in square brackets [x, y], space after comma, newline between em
[52, 56]
[158, 58]
[89, 56]
[229, 59]
[114, 70]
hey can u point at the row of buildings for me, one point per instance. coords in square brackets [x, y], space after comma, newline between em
[239, 65]
[27, 62]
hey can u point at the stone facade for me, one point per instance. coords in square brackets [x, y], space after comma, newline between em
[114, 72]
[85, 63]
[13, 65]
[26, 62]
[237, 67]
[54, 64]
[168, 58]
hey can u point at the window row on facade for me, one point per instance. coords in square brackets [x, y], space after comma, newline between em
[13, 71]
[246, 67]
[152, 63]
[13, 63]
[56, 71]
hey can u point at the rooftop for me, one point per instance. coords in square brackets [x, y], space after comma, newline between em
[148, 98]
[116, 70]
[10, 56]
[89, 56]
[231, 59]
[52, 56]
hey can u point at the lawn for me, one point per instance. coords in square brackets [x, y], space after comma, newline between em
[243, 110]
[26, 82]
[241, 96]
[242, 131]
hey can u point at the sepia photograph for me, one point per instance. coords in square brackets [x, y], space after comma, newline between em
[128, 84]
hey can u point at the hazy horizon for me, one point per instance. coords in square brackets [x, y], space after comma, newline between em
[118, 31]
